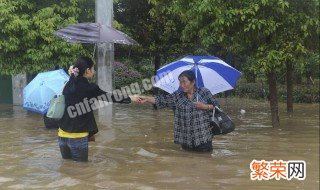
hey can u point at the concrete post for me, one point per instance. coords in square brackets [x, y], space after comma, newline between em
[105, 55]
[105, 51]
[18, 83]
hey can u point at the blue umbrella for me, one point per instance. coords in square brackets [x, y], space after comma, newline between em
[211, 72]
[38, 93]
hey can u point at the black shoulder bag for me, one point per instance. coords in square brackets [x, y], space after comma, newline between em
[220, 122]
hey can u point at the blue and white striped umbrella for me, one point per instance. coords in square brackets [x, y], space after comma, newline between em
[212, 73]
[38, 93]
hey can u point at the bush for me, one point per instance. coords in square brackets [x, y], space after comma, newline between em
[147, 70]
[251, 90]
[301, 93]
[125, 75]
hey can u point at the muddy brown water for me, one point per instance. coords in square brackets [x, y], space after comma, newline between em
[134, 150]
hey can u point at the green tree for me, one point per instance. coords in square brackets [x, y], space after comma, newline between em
[300, 39]
[268, 31]
[27, 44]
[156, 29]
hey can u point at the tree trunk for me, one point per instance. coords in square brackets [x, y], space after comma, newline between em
[273, 98]
[156, 67]
[298, 79]
[309, 79]
[289, 87]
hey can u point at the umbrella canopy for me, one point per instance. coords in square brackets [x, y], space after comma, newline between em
[211, 72]
[38, 93]
[93, 33]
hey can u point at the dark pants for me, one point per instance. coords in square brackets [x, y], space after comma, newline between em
[75, 149]
[206, 147]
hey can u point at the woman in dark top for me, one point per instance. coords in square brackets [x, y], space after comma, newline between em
[78, 125]
[192, 109]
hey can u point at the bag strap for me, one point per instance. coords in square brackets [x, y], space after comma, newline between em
[218, 108]
[213, 110]
[60, 93]
[213, 118]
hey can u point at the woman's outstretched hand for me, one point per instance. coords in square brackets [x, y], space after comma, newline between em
[135, 98]
[143, 99]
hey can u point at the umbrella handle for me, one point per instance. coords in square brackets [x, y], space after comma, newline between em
[196, 69]
[62, 89]
[94, 51]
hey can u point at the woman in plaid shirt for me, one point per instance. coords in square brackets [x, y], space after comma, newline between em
[191, 117]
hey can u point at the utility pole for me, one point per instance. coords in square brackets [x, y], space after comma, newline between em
[105, 56]
[105, 51]
[19, 81]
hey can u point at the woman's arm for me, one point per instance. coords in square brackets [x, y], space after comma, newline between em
[211, 101]
[202, 106]
[110, 97]
[160, 101]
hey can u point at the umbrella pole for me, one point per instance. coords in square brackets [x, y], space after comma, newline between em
[94, 51]
[196, 69]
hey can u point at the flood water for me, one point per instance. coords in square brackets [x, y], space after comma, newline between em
[134, 150]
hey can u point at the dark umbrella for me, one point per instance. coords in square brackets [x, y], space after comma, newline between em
[94, 33]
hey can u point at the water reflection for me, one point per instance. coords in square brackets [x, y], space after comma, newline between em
[135, 150]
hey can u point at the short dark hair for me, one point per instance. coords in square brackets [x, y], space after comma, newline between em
[189, 74]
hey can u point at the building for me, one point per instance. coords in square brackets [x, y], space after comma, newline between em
[6, 89]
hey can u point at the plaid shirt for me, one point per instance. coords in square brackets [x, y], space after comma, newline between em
[191, 125]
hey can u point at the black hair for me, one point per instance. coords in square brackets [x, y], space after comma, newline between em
[82, 63]
[189, 74]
